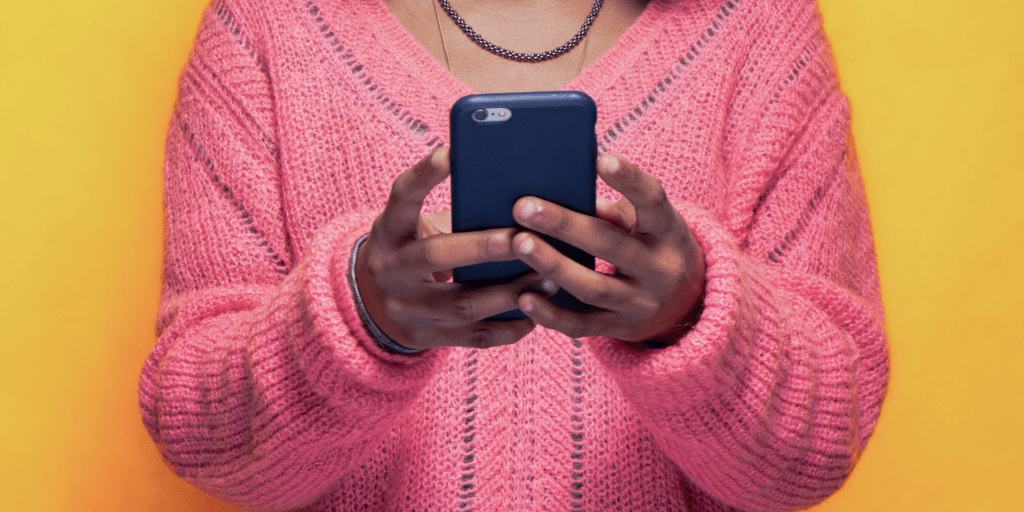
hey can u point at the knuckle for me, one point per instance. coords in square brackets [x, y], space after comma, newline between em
[664, 269]
[496, 244]
[555, 272]
[394, 308]
[376, 269]
[646, 307]
[419, 254]
[424, 253]
[397, 192]
[486, 247]
[599, 294]
[551, 268]
[671, 266]
[377, 266]
[576, 328]
[658, 196]
[562, 222]
[615, 244]
[481, 339]
[464, 309]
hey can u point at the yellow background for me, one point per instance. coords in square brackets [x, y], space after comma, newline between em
[86, 89]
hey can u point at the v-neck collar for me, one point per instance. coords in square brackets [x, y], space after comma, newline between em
[417, 61]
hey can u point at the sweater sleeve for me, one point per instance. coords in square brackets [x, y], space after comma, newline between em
[767, 403]
[263, 387]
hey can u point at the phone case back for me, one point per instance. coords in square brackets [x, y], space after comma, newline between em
[546, 148]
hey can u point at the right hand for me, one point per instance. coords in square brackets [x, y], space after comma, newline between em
[403, 266]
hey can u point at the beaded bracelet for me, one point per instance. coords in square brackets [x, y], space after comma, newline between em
[383, 340]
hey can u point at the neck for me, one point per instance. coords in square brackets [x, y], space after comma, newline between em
[523, 26]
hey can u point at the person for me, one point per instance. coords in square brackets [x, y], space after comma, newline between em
[313, 352]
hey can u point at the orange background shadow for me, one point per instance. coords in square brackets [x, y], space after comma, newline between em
[86, 90]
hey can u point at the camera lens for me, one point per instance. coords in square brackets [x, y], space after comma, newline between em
[480, 115]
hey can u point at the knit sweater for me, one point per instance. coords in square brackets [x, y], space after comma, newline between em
[293, 119]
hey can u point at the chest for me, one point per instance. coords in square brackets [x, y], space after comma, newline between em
[358, 103]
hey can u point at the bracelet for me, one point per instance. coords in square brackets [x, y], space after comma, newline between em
[383, 340]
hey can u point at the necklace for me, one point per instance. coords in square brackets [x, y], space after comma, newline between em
[509, 54]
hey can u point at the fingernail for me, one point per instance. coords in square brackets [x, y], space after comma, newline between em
[438, 159]
[611, 164]
[528, 209]
[527, 306]
[525, 247]
[549, 286]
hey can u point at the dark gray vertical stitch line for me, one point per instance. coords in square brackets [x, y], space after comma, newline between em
[576, 457]
[232, 27]
[467, 481]
[228, 18]
[414, 124]
[248, 120]
[205, 77]
[806, 59]
[202, 158]
[662, 87]
[776, 254]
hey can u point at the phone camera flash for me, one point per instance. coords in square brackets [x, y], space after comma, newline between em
[492, 115]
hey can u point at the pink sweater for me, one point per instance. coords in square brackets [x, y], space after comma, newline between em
[264, 388]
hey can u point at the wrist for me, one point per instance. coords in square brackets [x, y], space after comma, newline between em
[691, 297]
[379, 336]
[678, 331]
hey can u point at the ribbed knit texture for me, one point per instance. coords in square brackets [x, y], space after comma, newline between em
[293, 119]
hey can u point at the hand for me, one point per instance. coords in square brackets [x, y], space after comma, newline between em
[660, 278]
[403, 267]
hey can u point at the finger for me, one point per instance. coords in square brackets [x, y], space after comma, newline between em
[455, 305]
[575, 324]
[400, 218]
[654, 213]
[594, 288]
[434, 224]
[492, 333]
[628, 213]
[425, 229]
[612, 213]
[595, 236]
[441, 277]
[444, 252]
[442, 220]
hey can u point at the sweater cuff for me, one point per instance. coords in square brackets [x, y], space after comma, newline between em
[697, 352]
[344, 350]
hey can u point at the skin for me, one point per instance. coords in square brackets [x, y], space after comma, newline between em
[404, 268]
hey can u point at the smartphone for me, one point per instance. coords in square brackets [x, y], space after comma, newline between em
[507, 146]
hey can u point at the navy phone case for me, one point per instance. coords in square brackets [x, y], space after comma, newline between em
[546, 148]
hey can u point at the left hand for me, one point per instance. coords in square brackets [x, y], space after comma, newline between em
[659, 281]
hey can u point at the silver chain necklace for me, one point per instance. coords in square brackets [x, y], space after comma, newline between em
[516, 56]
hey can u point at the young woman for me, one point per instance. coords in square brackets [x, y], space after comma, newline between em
[313, 353]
